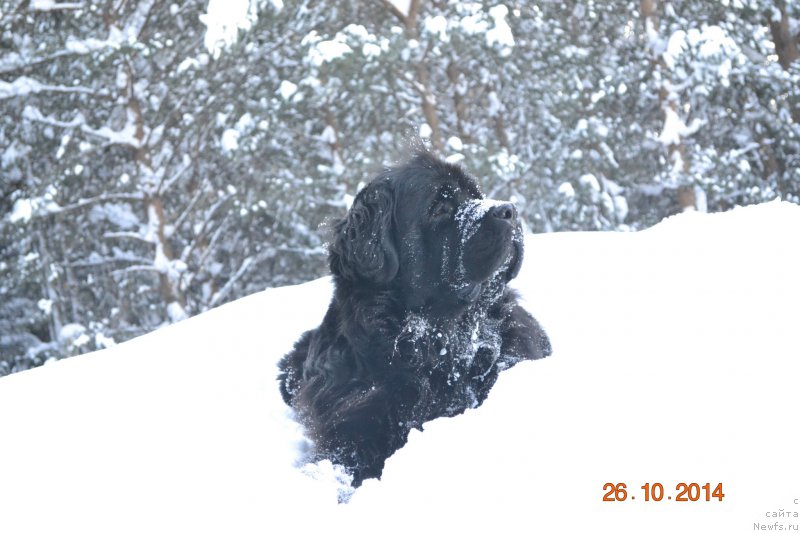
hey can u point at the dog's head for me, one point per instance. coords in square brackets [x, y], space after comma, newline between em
[425, 231]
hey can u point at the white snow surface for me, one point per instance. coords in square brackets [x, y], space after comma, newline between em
[675, 360]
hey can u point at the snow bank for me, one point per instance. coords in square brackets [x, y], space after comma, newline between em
[675, 360]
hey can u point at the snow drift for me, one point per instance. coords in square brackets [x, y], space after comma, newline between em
[675, 360]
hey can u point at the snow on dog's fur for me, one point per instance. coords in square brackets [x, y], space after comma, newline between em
[421, 321]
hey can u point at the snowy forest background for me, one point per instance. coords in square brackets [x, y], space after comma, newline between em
[148, 174]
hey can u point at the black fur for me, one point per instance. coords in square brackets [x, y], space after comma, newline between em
[421, 321]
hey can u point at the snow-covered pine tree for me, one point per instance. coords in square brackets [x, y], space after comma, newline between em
[146, 177]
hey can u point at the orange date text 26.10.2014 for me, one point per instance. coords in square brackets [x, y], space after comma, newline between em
[654, 492]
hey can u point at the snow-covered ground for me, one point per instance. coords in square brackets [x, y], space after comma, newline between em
[676, 359]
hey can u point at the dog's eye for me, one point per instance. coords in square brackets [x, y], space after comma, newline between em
[443, 210]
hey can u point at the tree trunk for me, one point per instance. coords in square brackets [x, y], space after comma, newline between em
[421, 81]
[676, 149]
[787, 46]
[55, 322]
[153, 203]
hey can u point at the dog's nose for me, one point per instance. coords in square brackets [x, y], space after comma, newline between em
[504, 212]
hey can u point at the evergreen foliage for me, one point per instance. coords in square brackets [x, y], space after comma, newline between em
[145, 178]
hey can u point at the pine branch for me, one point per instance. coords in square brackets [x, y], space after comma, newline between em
[88, 202]
[127, 235]
[25, 86]
[50, 5]
[221, 294]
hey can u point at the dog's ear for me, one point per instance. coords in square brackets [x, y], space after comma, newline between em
[363, 248]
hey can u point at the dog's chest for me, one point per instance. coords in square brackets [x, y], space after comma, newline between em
[450, 361]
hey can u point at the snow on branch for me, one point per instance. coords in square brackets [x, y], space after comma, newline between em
[223, 21]
[186, 212]
[675, 129]
[205, 225]
[138, 20]
[166, 184]
[87, 202]
[308, 252]
[399, 8]
[221, 294]
[125, 136]
[107, 261]
[127, 235]
[14, 61]
[50, 5]
[24, 86]
[207, 252]
[73, 46]
[137, 268]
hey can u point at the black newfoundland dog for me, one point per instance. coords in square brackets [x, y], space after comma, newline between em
[421, 322]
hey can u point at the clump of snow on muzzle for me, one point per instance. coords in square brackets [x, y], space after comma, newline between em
[469, 218]
[470, 215]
